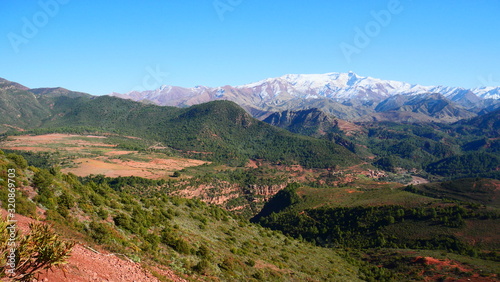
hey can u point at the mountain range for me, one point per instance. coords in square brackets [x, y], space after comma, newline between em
[217, 130]
[344, 95]
[431, 132]
[333, 183]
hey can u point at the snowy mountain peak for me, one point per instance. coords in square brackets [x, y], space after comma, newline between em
[349, 85]
[307, 89]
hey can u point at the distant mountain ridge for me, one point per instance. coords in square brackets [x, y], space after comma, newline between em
[311, 122]
[307, 122]
[432, 105]
[349, 95]
[219, 131]
[222, 131]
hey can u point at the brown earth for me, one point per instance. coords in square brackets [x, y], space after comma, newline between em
[418, 180]
[45, 139]
[154, 169]
[153, 166]
[91, 166]
[88, 264]
[26, 148]
[447, 264]
[348, 127]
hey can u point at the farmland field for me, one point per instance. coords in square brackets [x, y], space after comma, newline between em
[85, 155]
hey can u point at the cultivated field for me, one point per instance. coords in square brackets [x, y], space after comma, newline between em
[85, 155]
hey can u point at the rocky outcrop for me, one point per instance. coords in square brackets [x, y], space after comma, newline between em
[267, 191]
[230, 196]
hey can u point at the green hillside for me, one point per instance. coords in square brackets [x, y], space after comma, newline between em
[468, 148]
[217, 131]
[393, 220]
[195, 240]
[433, 150]
[19, 107]
[481, 191]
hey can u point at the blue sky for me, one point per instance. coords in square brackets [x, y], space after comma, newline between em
[103, 46]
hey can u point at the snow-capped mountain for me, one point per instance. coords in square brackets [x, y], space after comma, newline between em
[350, 85]
[297, 91]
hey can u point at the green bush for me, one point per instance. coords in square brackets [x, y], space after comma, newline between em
[39, 250]
[18, 160]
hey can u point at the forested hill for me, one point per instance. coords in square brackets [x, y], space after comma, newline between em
[217, 131]
[19, 107]
[488, 124]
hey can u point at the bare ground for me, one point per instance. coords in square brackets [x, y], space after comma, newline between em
[153, 166]
[88, 264]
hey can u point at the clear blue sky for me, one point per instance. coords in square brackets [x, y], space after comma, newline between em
[104, 46]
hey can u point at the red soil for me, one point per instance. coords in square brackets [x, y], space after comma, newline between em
[86, 264]
[152, 167]
[450, 264]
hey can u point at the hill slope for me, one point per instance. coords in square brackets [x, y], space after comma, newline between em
[19, 107]
[131, 217]
[217, 131]
[476, 190]
[306, 122]
[429, 105]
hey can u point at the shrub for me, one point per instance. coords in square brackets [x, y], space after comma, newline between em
[181, 246]
[202, 267]
[204, 252]
[66, 200]
[42, 179]
[178, 244]
[123, 221]
[18, 160]
[41, 249]
[250, 262]
[100, 232]
[102, 213]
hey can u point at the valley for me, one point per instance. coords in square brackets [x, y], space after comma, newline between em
[248, 141]
[86, 155]
[209, 192]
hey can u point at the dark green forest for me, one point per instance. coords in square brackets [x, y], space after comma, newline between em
[374, 226]
[219, 131]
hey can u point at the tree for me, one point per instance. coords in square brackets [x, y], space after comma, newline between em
[20, 161]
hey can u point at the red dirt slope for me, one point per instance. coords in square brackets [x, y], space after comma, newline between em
[91, 265]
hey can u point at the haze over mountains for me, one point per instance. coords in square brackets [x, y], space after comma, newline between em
[344, 95]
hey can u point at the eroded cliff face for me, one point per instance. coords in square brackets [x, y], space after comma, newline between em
[267, 191]
[247, 200]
